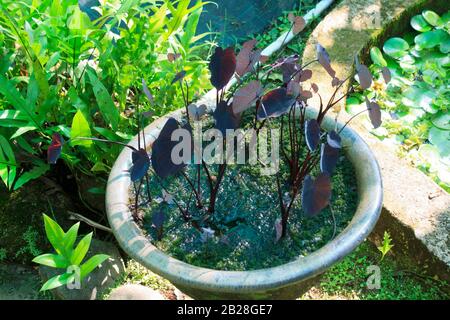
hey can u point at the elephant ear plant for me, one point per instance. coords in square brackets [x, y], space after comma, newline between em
[254, 102]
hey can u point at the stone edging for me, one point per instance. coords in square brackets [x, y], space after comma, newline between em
[416, 211]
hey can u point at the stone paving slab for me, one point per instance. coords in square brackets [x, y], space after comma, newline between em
[415, 208]
[19, 282]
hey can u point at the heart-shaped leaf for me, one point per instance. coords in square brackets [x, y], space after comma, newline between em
[374, 113]
[162, 150]
[196, 112]
[305, 75]
[334, 139]
[222, 67]
[275, 103]
[226, 118]
[244, 58]
[179, 76]
[246, 95]
[173, 56]
[293, 88]
[289, 66]
[54, 149]
[329, 157]
[312, 134]
[158, 219]
[316, 194]
[324, 60]
[299, 24]
[364, 75]
[141, 164]
[335, 82]
[386, 75]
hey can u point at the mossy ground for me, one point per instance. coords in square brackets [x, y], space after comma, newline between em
[346, 280]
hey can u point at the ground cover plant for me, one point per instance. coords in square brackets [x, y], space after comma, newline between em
[415, 104]
[63, 75]
[309, 154]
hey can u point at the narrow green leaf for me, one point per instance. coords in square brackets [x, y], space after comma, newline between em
[58, 281]
[17, 101]
[21, 131]
[34, 173]
[70, 238]
[51, 260]
[55, 234]
[7, 172]
[91, 264]
[81, 250]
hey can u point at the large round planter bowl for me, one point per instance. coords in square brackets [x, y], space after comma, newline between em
[286, 281]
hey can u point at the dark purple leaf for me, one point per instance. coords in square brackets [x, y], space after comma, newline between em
[162, 150]
[147, 114]
[244, 58]
[179, 76]
[289, 66]
[147, 92]
[226, 118]
[275, 103]
[196, 112]
[305, 95]
[386, 74]
[312, 134]
[334, 139]
[173, 56]
[54, 149]
[335, 82]
[222, 67]
[158, 219]
[305, 75]
[316, 194]
[293, 88]
[299, 23]
[246, 95]
[324, 60]
[315, 87]
[329, 157]
[288, 70]
[364, 76]
[374, 113]
[141, 163]
[278, 230]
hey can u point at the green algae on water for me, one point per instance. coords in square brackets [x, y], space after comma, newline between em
[244, 222]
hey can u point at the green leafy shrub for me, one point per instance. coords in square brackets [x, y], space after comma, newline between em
[67, 257]
[61, 73]
[416, 102]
